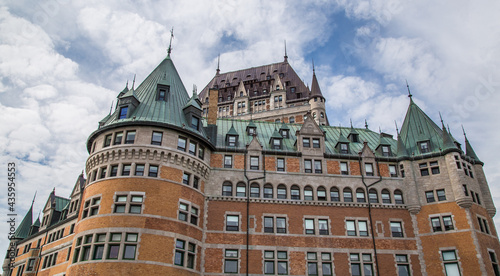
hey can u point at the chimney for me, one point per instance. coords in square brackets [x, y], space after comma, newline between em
[213, 95]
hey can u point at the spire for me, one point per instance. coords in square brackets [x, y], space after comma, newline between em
[366, 124]
[170, 45]
[111, 107]
[469, 151]
[286, 55]
[315, 90]
[217, 72]
[401, 150]
[409, 93]
[24, 227]
[133, 83]
[447, 139]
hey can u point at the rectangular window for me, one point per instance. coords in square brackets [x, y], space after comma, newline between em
[113, 171]
[153, 171]
[344, 148]
[386, 151]
[393, 171]
[317, 166]
[280, 164]
[403, 265]
[196, 182]
[139, 169]
[424, 147]
[466, 192]
[343, 168]
[361, 266]
[107, 140]
[91, 207]
[181, 144]
[180, 252]
[309, 223]
[276, 262]
[306, 142]
[436, 224]
[123, 112]
[323, 226]
[195, 122]
[316, 143]
[254, 162]
[118, 138]
[231, 261]
[312, 264]
[232, 223]
[156, 138]
[192, 148]
[268, 225]
[126, 169]
[201, 152]
[369, 169]
[429, 195]
[228, 161]
[130, 137]
[494, 263]
[396, 229]
[103, 173]
[441, 195]
[450, 262]
[185, 178]
[132, 203]
[231, 141]
[307, 166]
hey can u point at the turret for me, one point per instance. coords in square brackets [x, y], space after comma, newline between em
[317, 102]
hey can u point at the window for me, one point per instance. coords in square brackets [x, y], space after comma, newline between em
[360, 195]
[357, 228]
[280, 164]
[183, 258]
[291, 120]
[31, 264]
[113, 171]
[284, 133]
[228, 161]
[92, 246]
[107, 140]
[343, 168]
[295, 192]
[139, 169]
[494, 263]
[321, 193]
[403, 265]
[316, 143]
[308, 193]
[254, 190]
[195, 122]
[466, 192]
[424, 147]
[153, 171]
[483, 225]
[123, 112]
[268, 191]
[231, 261]
[429, 195]
[361, 266]
[306, 142]
[126, 169]
[312, 264]
[347, 195]
[232, 223]
[369, 169]
[386, 196]
[118, 138]
[307, 166]
[181, 144]
[434, 167]
[91, 207]
[323, 226]
[201, 152]
[196, 182]
[281, 191]
[185, 178]
[398, 197]
[442, 223]
[276, 143]
[251, 131]
[373, 196]
[241, 190]
[254, 162]
[344, 148]
[396, 229]
[130, 202]
[188, 213]
[103, 173]
[450, 262]
[162, 93]
[156, 138]
[227, 189]
[309, 226]
[393, 171]
[269, 225]
[275, 262]
[130, 137]
[424, 171]
[192, 148]
[334, 194]
[231, 140]
[317, 166]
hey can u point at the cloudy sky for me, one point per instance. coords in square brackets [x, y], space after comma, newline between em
[63, 62]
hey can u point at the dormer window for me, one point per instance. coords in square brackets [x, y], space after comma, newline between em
[276, 143]
[232, 140]
[123, 112]
[195, 122]
[344, 148]
[386, 150]
[292, 89]
[424, 147]
[162, 93]
[229, 97]
[284, 133]
[353, 136]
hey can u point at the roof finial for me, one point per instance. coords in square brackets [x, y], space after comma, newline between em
[397, 130]
[465, 135]
[314, 71]
[194, 89]
[218, 63]
[170, 45]
[32, 202]
[366, 124]
[286, 55]
[442, 122]
[111, 107]
[350, 121]
[126, 85]
[409, 93]
[133, 83]
[379, 130]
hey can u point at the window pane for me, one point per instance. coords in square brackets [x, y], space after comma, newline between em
[282, 268]
[449, 255]
[452, 269]
[327, 269]
[269, 267]
[312, 268]
[231, 266]
[113, 251]
[129, 252]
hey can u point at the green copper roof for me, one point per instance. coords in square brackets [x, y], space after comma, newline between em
[156, 111]
[418, 127]
[265, 131]
[193, 102]
[469, 151]
[401, 150]
[61, 202]
[23, 229]
[276, 134]
[37, 222]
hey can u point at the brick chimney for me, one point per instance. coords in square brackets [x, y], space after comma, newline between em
[213, 95]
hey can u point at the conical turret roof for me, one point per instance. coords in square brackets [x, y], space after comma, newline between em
[315, 90]
[24, 227]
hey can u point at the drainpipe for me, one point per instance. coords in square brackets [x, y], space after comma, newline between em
[370, 208]
[248, 198]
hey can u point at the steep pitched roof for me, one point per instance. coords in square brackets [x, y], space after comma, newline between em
[469, 151]
[24, 227]
[315, 90]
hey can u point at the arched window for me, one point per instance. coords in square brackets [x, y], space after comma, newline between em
[291, 120]
[334, 194]
[373, 195]
[281, 191]
[322, 115]
[254, 190]
[295, 192]
[347, 195]
[241, 93]
[268, 191]
[321, 193]
[360, 195]
[386, 196]
[308, 193]
[398, 197]
[227, 189]
[241, 190]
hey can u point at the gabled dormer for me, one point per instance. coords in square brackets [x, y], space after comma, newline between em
[342, 145]
[53, 210]
[192, 112]
[76, 195]
[241, 92]
[353, 135]
[127, 103]
[310, 137]
[384, 146]
[251, 129]
[284, 131]
[276, 140]
[232, 137]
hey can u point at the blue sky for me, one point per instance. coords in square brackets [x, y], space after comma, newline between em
[62, 64]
